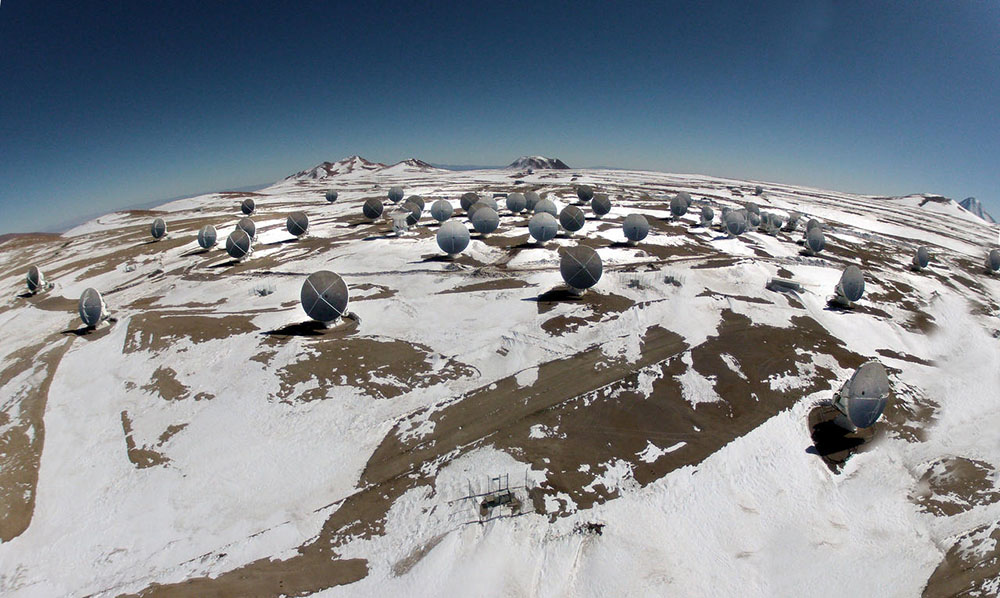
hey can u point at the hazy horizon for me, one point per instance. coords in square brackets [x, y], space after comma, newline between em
[146, 203]
[108, 106]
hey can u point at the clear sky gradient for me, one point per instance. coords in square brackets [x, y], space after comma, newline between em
[109, 104]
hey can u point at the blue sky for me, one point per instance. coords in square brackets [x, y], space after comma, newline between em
[110, 104]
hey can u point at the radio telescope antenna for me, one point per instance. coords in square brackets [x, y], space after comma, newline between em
[581, 267]
[158, 229]
[92, 309]
[207, 237]
[635, 227]
[862, 399]
[851, 287]
[324, 296]
[921, 258]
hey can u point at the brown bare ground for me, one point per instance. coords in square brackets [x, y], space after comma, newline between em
[953, 485]
[602, 306]
[158, 331]
[20, 453]
[497, 284]
[382, 368]
[966, 573]
[141, 457]
[164, 383]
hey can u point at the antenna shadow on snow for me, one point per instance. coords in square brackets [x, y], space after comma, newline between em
[82, 331]
[358, 223]
[832, 442]
[438, 258]
[195, 252]
[528, 245]
[225, 264]
[91, 333]
[346, 325]
[556, 295]
[832, 305]
[309, 328]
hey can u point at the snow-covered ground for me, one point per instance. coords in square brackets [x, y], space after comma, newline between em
[207, 434]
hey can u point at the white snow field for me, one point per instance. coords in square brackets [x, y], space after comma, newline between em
[666, 433]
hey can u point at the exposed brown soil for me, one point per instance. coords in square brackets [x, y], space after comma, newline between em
[497, 284]
[953, 485]
[382, 368]
[602, 306]
[10, 240]
[965, 573]
[164, 383]
[909, 413]
[141, 457]
[383, 292]
[452, 261]
[903, 357]
[54, 303]
[503, 412]
[600, 303]
[158, 331]
[21, 443]
[300, 576]
[744, 298]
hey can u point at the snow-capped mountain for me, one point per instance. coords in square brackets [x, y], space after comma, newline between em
[537, 163]
[356, 165]
[974, 206]
[409, 165]
[669, 432]
[331, 169]
[929, 202]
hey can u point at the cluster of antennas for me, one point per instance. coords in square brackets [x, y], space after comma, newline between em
[546, 220]
[580, 266]
[239, 243]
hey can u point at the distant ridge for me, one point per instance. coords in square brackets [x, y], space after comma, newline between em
[410, 164]
[415, 163]
[972, 205]
[537, 163]
[357, 164]
[329, 169]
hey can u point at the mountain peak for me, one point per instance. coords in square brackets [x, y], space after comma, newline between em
[328, 169]
[537, 163]
[414, 163]
[972, 205]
